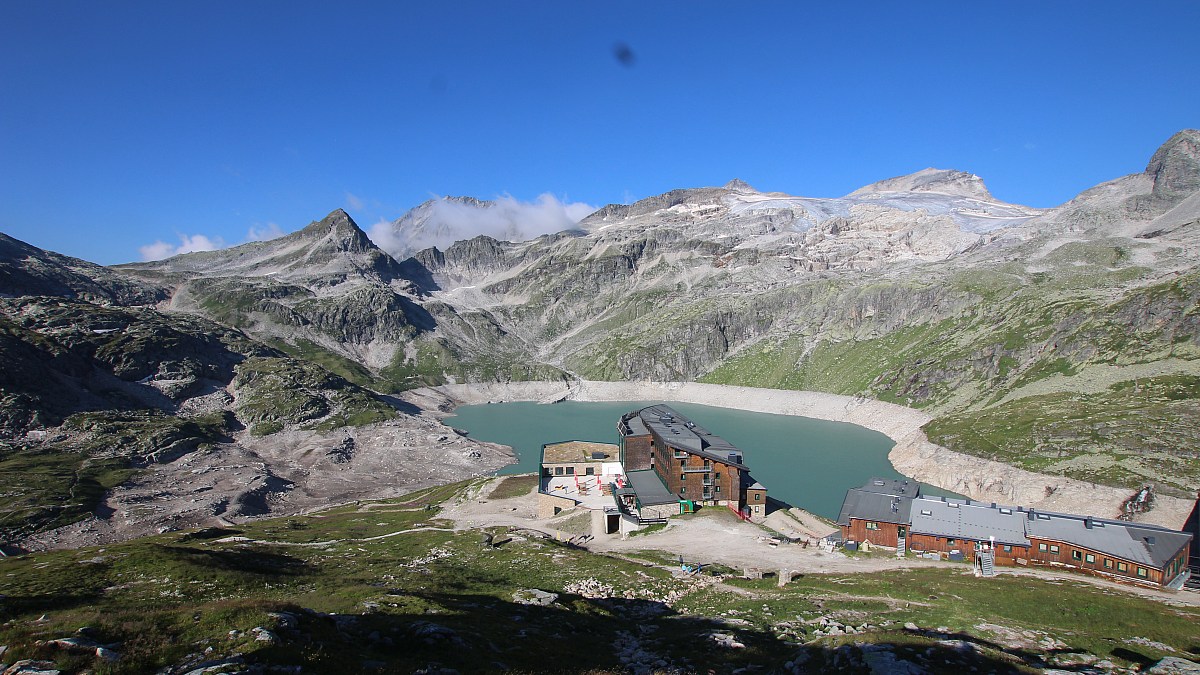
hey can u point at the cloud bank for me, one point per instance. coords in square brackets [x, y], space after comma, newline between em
[190, 243]
[443, 221]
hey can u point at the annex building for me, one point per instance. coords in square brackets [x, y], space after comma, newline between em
[893, 514]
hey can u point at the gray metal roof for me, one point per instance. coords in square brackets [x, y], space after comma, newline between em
[636, 427]
[875, 507]
[1149, 545]
[649, 487]
[961, 519]
[680, 432]
[1146, 544]
[894, 487]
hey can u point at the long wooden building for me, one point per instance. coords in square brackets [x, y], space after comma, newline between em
[1013, 535]
[692, 463]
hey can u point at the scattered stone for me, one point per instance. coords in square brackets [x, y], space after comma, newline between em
[883, 661]
[725, 640]
[432, 633]
[231, 664]
[1173, 665]
[533, 596]
[285, 620]
[1147, 642]
[32, 667]
[263, 635]
[910, 626]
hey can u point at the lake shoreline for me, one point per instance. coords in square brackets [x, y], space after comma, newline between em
[913, 454]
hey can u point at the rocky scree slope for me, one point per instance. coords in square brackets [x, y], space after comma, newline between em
[121, 421]
[327, 293]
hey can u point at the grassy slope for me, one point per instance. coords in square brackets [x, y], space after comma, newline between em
[167, 597]
[1004, 378]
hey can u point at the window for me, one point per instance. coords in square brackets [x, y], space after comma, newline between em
[1042, 548]
[683, 490]
[718, 488]
[949, 542]
[558, 471]
[1122, 567]
[1141, 572]
[1054, 549]
[758, 496]
[1007, 548]
[546, 471]
[926, 512]
[1076, 555]
[682, 476]
[1108, 563]
[570, 471]
[591, 471]
[1090, 558]
[1007, 512]
[718, 475]
[683, 462]
[872, 526]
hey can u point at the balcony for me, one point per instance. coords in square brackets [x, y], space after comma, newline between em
[696, 469]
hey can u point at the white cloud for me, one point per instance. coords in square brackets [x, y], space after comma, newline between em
[264, 233]
[354, 202]
[188, 243]
[446, 221]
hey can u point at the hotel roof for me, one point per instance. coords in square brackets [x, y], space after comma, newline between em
[680, 432]
[578, 451]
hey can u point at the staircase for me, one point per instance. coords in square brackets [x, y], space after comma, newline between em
[985, 563]
[901, 546]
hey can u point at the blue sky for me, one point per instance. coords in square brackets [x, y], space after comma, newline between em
[128, 123]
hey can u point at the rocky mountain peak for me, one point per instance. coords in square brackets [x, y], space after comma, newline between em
[341, 231]
[1175, 166]
[739, 185]
[944, 181]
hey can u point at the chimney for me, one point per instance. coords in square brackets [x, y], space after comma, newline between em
[1087, 522]
[1029, 514]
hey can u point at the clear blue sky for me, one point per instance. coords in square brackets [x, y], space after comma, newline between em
[123, 123]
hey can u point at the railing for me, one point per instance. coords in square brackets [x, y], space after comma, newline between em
[696, 469]
[739, 514]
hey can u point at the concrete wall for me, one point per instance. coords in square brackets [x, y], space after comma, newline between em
[547, 504]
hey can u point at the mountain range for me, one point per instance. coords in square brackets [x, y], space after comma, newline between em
[1064, 340]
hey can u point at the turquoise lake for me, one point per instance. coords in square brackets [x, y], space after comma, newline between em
[805, 462]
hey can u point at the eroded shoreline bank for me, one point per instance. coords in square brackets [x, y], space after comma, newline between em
[913, 455]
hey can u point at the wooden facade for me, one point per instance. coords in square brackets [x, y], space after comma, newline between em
[877, 532]
[703, 477]
[1052, 553]
[636, 452]
[1119, 550]
[1005, 554]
